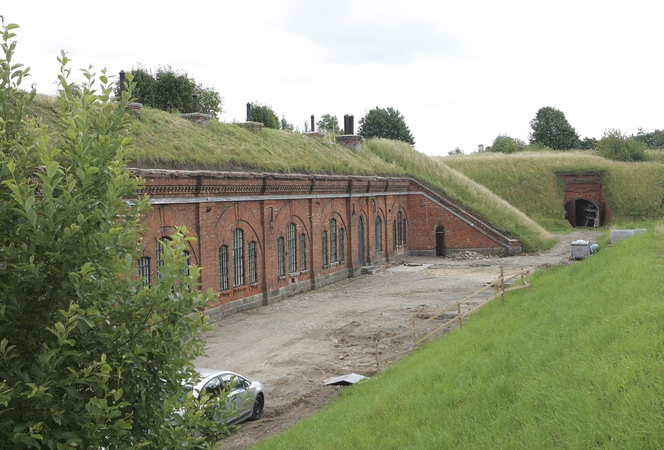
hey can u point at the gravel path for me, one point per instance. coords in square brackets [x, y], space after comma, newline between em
[294, 345]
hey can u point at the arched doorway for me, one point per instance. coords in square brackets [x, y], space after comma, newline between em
[582, 212]
[360, 241]
[440, 240]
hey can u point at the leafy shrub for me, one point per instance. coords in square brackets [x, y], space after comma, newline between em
[619, 147]
[172, 90]
[90, 356]
[330, 123]
[506, 144]
[264, 114]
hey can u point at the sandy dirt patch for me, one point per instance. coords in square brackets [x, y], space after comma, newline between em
[294, 345]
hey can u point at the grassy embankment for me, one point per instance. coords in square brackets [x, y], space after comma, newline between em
[576, 363]
[635, 191]
[163, 140]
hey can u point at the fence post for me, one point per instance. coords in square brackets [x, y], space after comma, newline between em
[502, 284]
[459, 315]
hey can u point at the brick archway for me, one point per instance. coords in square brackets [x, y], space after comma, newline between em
[582, 212]
[584, 201]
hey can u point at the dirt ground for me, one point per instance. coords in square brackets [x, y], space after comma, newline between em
[294, 345]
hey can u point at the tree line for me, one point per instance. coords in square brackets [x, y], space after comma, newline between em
[552, 131]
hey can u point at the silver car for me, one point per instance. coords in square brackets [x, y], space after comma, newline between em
[245, 398]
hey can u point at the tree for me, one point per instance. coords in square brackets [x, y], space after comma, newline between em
[506, 144]
[588, 143]
[654, 139]
[285, 125]
[90, 356]
[171, 90]
[385, 123]
[619, 147]
[330, 123]
[456, 151]
[550, 127]
[264, 114]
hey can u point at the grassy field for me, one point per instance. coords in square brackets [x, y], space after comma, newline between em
[163, 140]
[576, 363]
[635, 191]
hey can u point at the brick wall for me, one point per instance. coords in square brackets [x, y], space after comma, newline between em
[213, 205]
[586, 186]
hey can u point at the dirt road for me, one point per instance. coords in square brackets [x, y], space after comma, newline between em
[294, 345]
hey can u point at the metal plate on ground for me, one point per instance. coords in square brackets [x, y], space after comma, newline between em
[345, 380]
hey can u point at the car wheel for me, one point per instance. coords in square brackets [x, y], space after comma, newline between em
[257, 410]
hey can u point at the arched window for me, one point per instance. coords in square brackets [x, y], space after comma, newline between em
[223, 268]
[333, 240]
[394, 234]
[342, 248]
[405, 241]
[292, 249]
[379, 235]
[303, 252]
[280, 257]
[253, 269]
[144, 269]
[161, 244]
[324, 247]
[399, 232]
[238, 257]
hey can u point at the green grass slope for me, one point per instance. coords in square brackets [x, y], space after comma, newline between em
[462, 189]
[163, 140]
[576, 363]
[635, 191]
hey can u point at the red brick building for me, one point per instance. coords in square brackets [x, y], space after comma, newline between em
[262, 236]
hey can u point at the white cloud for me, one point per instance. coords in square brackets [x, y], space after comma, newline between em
[460, 72]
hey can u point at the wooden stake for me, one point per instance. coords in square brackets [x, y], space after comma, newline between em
[459, 315]
[502, 284]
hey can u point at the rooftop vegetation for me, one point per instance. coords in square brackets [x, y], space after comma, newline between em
[163, 140]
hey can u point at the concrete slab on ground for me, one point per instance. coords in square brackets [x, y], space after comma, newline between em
[409, 268]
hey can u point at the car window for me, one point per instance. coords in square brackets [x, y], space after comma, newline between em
[233, 381]
[213, 387]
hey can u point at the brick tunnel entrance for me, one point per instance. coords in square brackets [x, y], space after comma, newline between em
[583, 213]
[585, 204]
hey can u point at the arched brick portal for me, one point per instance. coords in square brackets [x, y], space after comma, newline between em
[584, 201]
[300, 232]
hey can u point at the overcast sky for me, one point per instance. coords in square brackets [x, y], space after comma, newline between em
[460, 72]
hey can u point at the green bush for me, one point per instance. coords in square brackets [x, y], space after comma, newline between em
[506, 144]
[90, 355]
[172, 90]
[264, 114]
[619, 147]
